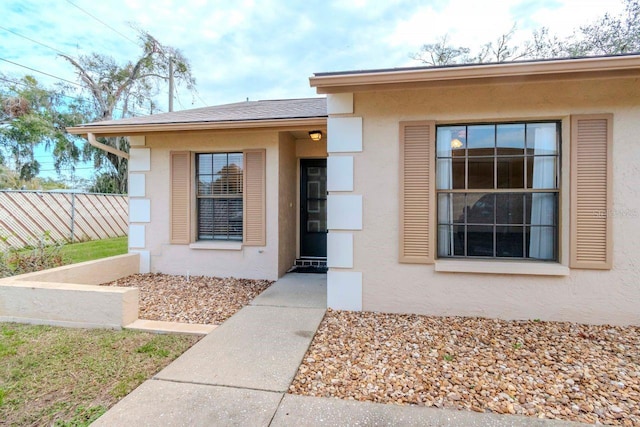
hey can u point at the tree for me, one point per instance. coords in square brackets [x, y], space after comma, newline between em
[441, 53]
[10, 180]
[32, 115]
[502, 49]
[123, 88]
[609, 35]
[105, 182]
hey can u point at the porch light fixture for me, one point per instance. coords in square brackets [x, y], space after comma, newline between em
[315, 135]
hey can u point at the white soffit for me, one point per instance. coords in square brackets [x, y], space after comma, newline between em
[340, 250]
[340, 103]
[136, 236]
[139, 159]
[139, 210]
[340, 173]
[137, 185]
[344, 290]
[344, 134]
[344, 212]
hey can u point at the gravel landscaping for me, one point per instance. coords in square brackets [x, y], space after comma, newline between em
[197, 299]
[555, 370]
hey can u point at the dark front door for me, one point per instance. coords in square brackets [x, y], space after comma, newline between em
[313, 208]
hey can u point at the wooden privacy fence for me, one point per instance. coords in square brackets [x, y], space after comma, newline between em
[27, 216]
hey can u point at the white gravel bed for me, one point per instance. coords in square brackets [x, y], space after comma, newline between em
[198, 299]
[555, 370]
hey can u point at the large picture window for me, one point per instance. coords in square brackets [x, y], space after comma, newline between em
[497, 188]
[219, 182]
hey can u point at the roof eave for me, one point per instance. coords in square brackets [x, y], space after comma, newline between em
[505, 72]
[136, 129]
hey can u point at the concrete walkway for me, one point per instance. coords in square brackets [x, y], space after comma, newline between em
[240, 372]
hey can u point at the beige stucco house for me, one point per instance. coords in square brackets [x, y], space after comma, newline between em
[498, 190]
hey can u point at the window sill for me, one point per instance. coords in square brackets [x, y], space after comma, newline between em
[217, 246]
[502, 267]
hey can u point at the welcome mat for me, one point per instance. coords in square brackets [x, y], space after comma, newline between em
[309, 269]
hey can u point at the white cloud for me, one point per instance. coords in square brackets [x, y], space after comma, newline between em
[472, 23]
[571, 14]
[269, 47]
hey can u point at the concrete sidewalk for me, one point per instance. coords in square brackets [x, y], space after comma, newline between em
[240, 372]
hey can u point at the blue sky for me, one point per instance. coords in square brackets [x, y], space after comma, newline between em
[267, 49]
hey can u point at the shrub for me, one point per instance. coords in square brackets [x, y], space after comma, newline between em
[41, 256]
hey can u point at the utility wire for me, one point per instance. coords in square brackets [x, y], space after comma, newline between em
[41, 72]
[103, 23]
[57, 93]
[48, 47]
[201, 100]
[35, 41]
[65, 54]
[67, 170]
[134, 113]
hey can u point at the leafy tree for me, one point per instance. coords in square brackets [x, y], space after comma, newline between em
[31, 115]
[608, 35]
[10, 180]
[116, 91]
[105, 182]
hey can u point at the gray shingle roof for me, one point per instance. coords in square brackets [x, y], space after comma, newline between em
[240, 111]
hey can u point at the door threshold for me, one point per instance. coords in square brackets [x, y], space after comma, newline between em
[318, 262]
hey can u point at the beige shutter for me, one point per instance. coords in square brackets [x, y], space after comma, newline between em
[180, 197]
[254, 226]
[417, 192]
[591, 191]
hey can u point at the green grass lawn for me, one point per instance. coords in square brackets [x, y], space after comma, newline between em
[94, 249]
[42, 257]
[69, 377]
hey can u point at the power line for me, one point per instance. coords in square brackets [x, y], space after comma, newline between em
[102, 22]
[66, 170]
[41, 72]
[54, 49]
[57, 93]
[48, 47]
[65, 54]
[134, 113]
[56, 77]
[201, 100]
[35, 41]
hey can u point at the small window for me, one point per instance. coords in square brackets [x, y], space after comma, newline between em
[497, 188]
[219, 182]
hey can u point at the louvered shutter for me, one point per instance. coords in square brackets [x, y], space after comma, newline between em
[255, 198]
[417, 192]
[180, 209]
[591, 191]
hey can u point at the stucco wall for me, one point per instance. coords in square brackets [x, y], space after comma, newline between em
[308, 149]
[583, 295]
[247, 262]
[69, 295]
[287, 211]
[87, 273]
